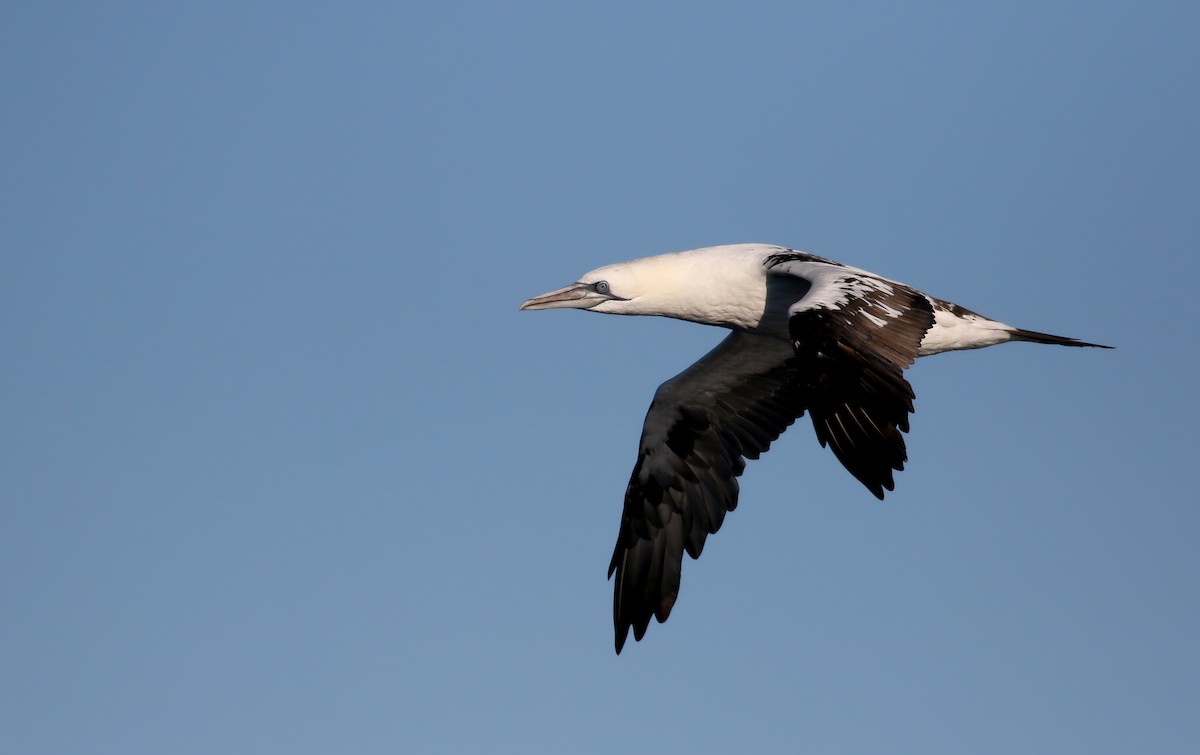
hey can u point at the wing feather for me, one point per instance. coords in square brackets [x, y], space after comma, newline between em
[854, 335]
[701, 426]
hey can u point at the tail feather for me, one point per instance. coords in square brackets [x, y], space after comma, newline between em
[1020, 334]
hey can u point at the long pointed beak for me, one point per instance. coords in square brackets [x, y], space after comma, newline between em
[574, 296]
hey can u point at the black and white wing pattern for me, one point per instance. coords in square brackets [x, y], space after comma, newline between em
[701, 427]
[854, 335]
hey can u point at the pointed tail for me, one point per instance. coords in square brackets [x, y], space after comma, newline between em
[1020, 334]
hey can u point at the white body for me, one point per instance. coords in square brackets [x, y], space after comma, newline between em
[727, 286]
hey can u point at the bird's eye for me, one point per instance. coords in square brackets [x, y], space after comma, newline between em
[601, 287]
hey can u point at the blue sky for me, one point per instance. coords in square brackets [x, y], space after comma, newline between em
[286, 471]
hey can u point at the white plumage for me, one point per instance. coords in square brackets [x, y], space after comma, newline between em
[809, 335]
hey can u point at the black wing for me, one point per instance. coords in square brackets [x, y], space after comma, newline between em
[854, 335]
[701, 427]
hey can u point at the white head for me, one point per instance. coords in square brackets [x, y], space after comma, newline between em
[622, 288]
[716, 285]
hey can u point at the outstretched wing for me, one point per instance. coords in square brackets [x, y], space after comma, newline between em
[701, 427]
[854, 335]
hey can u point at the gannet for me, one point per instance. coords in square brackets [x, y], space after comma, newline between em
[808, 334]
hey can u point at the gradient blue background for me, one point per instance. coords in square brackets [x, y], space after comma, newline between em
[285, 471]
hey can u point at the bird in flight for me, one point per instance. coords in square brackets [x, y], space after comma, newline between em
[808, 335]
